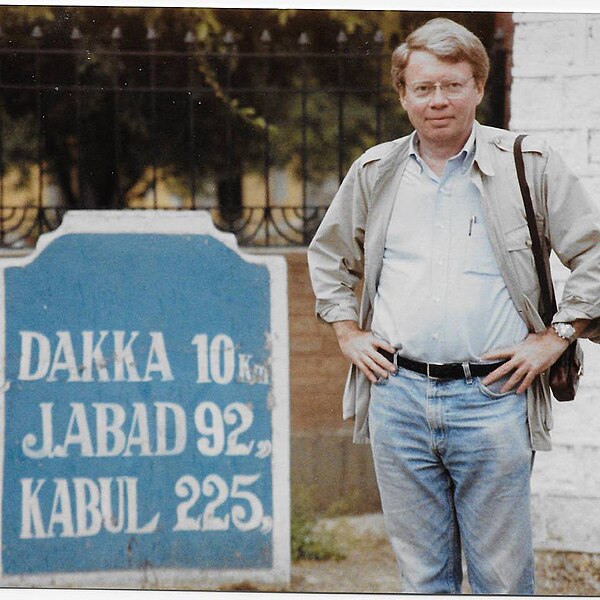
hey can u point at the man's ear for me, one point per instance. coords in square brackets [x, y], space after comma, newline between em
[480, 92]
[402, 97]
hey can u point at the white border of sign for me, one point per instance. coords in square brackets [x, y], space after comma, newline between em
[182, 223]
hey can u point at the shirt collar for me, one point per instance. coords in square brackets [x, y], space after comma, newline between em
[464, 157]
[467, 154]
[412, 151]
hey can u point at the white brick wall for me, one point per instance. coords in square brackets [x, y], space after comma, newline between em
[566, 481]
[556, 94]
[556, 84]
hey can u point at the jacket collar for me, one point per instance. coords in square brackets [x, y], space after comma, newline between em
[483, 157]
[394, 158]
[389, 172]
[401, 151]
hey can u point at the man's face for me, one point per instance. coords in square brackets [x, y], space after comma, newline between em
[438, 119]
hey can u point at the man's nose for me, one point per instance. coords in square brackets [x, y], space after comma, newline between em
[438, 97]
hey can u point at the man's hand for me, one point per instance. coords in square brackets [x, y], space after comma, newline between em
[361, 348]
[534, 355]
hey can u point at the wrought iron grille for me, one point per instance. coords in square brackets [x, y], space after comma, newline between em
[261, 139]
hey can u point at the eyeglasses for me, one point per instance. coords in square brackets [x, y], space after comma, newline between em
[423, 90]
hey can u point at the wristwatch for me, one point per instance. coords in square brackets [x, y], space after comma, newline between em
[565, 331]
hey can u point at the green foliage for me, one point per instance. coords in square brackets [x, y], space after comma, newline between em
[307, 542]
[233, 129]
[25, 15]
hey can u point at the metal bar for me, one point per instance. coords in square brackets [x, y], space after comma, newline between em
[378, 39]
[241, 224]
[191, 64]
[40, 131]
[342, 39]
[184, 90]
[304, 151]
[116, 101]
[181, 54]
[33, 224]
[154, 152]
[229, 191]
[78, 122]
[267, 143]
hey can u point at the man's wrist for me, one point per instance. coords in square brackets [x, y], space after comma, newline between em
[566, 331]
[571, 329]
[344, 328]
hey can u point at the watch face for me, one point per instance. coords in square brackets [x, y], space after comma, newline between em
[565, 330]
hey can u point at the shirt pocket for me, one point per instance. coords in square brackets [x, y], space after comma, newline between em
[479, 255]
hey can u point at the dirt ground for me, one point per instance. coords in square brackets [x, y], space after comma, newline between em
[370, 566]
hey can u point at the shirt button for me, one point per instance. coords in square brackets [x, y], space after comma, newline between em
[436, 299]
[436, 336]
[441, 261]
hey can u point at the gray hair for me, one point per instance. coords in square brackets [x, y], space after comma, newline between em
[448, 41]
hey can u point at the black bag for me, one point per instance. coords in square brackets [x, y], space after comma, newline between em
[566, 371]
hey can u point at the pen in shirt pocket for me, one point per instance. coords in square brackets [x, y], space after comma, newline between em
[472, 222]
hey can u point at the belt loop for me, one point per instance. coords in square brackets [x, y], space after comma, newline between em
[467, 369]
[428, 375]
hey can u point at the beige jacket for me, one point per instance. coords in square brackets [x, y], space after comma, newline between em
[349, 245]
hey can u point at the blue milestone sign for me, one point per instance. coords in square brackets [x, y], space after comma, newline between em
[144, 406]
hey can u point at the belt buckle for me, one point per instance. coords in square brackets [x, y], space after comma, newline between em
[428, 365]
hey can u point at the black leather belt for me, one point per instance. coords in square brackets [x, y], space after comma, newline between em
[442, 371]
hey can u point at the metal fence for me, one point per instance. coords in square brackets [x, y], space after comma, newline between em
[260, 138]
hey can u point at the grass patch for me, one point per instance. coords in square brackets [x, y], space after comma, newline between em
[308, 542]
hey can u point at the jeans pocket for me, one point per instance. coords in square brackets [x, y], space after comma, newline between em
[493, 389]
[381, 381]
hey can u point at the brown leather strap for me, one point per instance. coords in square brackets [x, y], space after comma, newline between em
[546, 288]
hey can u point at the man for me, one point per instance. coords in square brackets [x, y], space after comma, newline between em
[449, 353]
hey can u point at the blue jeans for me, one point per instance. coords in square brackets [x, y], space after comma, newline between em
[453, 463]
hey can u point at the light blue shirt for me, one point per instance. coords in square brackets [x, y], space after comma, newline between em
[440, 296]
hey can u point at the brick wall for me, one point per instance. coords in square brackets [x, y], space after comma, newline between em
[555, 93]
[325, 463]
[556, 85]
[317, 368]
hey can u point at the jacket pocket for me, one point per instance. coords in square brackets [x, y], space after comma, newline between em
[519, 246]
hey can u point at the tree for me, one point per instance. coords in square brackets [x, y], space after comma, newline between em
[233, 100]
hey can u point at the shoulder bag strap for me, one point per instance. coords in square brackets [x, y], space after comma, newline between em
[546, 289]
